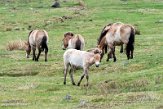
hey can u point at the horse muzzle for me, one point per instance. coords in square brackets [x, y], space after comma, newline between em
[97, 64]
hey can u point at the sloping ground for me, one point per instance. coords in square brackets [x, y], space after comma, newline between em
[132, 84]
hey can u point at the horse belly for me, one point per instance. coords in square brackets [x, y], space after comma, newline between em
[76, 60]
[117, 36]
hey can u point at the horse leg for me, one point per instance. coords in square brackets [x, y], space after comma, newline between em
[39, 52]
[109, 55]
[65, 73]
[102, 54]
[128, 52]
[71, 75]
[121, 50]
[87, 76]
[34, 55]
[113, 52]
[46, 52]
[132, 50]
[81, 78]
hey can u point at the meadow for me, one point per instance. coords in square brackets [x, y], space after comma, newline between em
[125, 84]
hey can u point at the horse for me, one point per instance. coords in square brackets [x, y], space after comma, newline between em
[101, 42]
[37, 39]
[83, 59]
[118, 34]
[73, 41]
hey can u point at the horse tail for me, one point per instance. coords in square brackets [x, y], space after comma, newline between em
[130, 44]
[78, 44]
[44, 43]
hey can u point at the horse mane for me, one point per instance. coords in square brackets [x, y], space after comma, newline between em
[103, 33]
[94, 50]
[69, 33]
[30, 33]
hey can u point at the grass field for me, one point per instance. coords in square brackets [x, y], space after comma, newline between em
[133, 84]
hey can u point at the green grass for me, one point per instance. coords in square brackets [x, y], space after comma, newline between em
[133, 84]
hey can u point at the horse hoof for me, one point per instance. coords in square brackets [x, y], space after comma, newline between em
[64, 83]
[74, 84]
[78, 84]
[86, 85]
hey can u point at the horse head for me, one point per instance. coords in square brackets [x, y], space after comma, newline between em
[28, 49]
[97, 55]
[67, 37]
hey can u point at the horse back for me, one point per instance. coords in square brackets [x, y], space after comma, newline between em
[74, 57]
[37, 36]
[125, 32]
[77, 42]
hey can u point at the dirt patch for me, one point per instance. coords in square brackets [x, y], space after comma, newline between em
[142, 97]
[109, 86]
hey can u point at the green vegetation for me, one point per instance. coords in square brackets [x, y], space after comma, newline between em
[132, 84]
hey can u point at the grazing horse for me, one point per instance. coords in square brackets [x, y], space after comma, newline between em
[73, 41]
[76, 58]
[119, 34]
[101, 42]
[37, 39]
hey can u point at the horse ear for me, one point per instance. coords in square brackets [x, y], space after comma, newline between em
[72, 34]
[97, 51]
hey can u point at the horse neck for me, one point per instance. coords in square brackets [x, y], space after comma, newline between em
[91, 58]
[70, 44]
[102, 43]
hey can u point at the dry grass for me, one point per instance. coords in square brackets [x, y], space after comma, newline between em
[16, 45]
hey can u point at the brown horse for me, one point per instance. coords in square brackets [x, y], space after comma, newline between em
[73, 41]
[117, 34]
[37, 39]
[101, 42]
